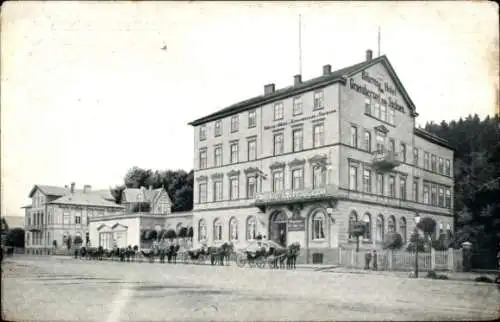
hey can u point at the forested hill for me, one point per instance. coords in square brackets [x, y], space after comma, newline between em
[477, 178]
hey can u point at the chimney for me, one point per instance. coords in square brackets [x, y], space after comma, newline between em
[327, 70]
[268, 89]
[297, 80]
[72, 187]
[66, 189]
[87, 188]
[369, 55]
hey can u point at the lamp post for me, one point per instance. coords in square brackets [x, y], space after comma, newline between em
[417, 220]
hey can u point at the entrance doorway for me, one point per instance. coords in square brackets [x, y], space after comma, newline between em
[278, 227]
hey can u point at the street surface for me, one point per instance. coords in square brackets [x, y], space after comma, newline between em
[48, 288]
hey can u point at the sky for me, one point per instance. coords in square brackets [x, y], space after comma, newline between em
[88, 92]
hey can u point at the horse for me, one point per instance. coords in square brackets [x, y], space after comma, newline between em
[172, 253]
[197, 254]
[291, 255]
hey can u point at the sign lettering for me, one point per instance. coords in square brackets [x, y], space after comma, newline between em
[296, 224]
[292, 121]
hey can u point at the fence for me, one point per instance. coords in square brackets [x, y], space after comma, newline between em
[450, 260]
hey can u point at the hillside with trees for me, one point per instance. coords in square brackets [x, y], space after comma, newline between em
[477, 182]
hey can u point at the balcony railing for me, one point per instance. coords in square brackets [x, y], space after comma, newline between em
[296, 195]
[35, 227]
[385, 160]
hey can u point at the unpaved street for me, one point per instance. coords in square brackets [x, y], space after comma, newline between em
[48, 288]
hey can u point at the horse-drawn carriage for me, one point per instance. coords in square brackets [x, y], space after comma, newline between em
[216, 254]
[267, 252]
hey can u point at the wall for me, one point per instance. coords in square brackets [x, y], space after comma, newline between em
[133, 230]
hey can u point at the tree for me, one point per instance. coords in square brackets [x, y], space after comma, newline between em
[15, 237]
[78, 240]
[183, 232]
[428, 226]
[416, 241]
[358, 230]
[116, 192]
[190, 232]
[171, 234]
[393, 240]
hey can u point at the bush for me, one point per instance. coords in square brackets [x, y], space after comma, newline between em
[15, 237]
[415, 240]
[170, 234]
[483, 279]
[442, 277]
[78, 240]
[393, 240]
[190, 232]
[183, 232]
[432, 275]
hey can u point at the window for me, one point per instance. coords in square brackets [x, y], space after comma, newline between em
[368, 141]
[318, 176]
[297, 179]
[353, 218]
[441, 165]
[448, 198]
[202, 230]
[278, 181]
[353, 178]
[367, 220]
[318, 223]
[379, 177]
[367, 180]
[203, 159]
[278, 111]
[415, 156]
[426, 161]
[218, 190]
[66, 217]
[391, 115]
[78, 218]
[297, 105]
[441, 196]
[233, 229]
[234, 152]
[251, 187]
[218, 128]
[383, 112]
[298, 140]
[278, 144]
[415, 189]
[319, 135]
[392, 186]
[203, 132]
[202, 190]
[392, 146]
[354, 136]
[433, 194]
[433, 163]
[252, 149]
[380, 142]
[234, 187]
[447, 168]
[391, 224]
[218, 156]
[252, 119]
[217, 229]
[318, 100]
[380, 228]
[251, 228]
[403, 152]
[426, 193]
[402, 228]
[368, 106]
[235, 123]
[402, 188]
[376, 110]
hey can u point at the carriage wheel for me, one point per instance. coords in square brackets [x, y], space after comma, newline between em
[202, 259]
[261, 262]
[240, 260]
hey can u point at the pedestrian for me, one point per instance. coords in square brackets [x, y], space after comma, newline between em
[375, 263]
[368, 258]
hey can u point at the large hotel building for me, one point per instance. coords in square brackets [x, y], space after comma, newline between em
[303, 163]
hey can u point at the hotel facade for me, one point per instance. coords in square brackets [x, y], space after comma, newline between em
[303, 163]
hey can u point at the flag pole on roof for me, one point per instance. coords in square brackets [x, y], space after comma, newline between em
[300, 44]
[378, 41]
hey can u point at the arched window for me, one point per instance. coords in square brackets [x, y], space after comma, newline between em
[251, 228]
[367, 219]
[217, 229]
[202, 230]
[353, 218]
[391, 224]
[402, 228]
[380, 228]
[233, 229]
[318, 225]
[368, 141]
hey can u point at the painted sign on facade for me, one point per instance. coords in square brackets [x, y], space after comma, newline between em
[296, 224]
[290, 195]
[296, 120]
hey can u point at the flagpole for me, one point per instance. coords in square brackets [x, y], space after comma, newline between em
[300, 44]
[378, 41]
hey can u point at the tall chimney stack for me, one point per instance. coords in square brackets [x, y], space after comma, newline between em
[87, 188]
[297, 80]
[369, 55]
[327, 70]
[72, 187]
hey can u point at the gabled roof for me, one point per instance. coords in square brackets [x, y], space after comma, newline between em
[318, 82]
[133, 194]
[85, 199]
[432, 138]
[48, 190]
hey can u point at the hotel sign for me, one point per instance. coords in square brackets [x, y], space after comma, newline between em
[296, 120]
[296, 224]
[291, 195]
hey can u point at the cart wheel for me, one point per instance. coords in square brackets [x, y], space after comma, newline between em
[202, 259]
[240, 260]
[261, 262]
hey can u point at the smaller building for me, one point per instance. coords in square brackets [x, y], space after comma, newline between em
[145, 209]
